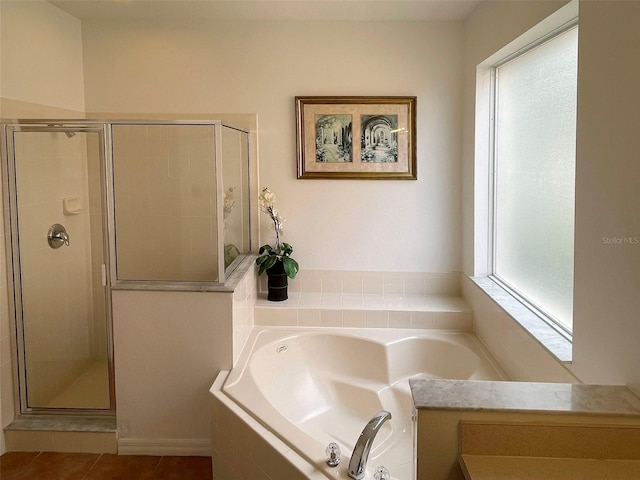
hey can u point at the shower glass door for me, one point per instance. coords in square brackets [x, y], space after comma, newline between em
[58, 253]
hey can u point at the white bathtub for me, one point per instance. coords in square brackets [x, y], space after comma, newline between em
[313, 386]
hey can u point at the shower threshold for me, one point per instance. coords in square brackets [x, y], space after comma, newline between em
[62, 433]
[64, 423]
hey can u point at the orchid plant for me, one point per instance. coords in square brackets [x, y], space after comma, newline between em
[270, 255]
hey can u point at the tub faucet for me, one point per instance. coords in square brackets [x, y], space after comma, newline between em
[360, 455]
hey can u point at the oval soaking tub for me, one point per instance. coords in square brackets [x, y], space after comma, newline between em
[313, 386]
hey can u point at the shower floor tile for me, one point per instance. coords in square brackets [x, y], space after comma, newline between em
[89, 390]
[84, 466]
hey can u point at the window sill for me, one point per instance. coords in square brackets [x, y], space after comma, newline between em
[551, 339]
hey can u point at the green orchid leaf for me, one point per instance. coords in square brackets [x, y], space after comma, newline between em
[286, 249]
[268, 261]
[271, 261]
[266, 248]
[290, 267]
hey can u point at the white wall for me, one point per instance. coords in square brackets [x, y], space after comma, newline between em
[607, 276]
[259, 67]
[41, 55]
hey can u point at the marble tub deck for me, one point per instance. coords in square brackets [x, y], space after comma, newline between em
[564, 398]
[533, 431]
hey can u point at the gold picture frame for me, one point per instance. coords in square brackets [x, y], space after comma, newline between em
[356, 137]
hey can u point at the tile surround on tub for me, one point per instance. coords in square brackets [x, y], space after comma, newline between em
[349, 301]
[331, 298]
[372, 283]
[375, 311]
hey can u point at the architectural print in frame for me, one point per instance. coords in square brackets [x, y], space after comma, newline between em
[356, 137]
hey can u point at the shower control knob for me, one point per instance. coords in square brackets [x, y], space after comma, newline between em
[333, 454]
[57, 236]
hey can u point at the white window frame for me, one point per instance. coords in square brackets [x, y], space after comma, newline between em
[555, 337]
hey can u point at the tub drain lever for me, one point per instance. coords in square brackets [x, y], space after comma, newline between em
[333, 454]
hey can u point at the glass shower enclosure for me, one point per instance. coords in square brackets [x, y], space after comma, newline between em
[91, 205]
[181, 201]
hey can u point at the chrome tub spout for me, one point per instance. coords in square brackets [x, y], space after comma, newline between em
[358, 462]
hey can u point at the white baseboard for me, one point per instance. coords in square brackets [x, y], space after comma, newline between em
[165, 447]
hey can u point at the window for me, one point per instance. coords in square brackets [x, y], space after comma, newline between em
[534, 138]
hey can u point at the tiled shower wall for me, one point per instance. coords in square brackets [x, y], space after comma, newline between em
[165, 200]
[56, 284]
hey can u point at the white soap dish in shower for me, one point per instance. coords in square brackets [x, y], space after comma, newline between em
[72, 206]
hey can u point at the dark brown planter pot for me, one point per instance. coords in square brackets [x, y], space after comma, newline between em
[277, 283]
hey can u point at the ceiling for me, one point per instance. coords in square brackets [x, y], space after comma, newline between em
[211, 10]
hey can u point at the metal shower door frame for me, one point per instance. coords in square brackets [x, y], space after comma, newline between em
[12, 244]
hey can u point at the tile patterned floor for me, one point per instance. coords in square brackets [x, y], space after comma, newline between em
[88, 466]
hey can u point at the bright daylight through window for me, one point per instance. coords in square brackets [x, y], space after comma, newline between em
[534, 175]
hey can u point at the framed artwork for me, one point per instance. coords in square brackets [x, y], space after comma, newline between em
[356, 137]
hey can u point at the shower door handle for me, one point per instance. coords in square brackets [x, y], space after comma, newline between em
[57, 236]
